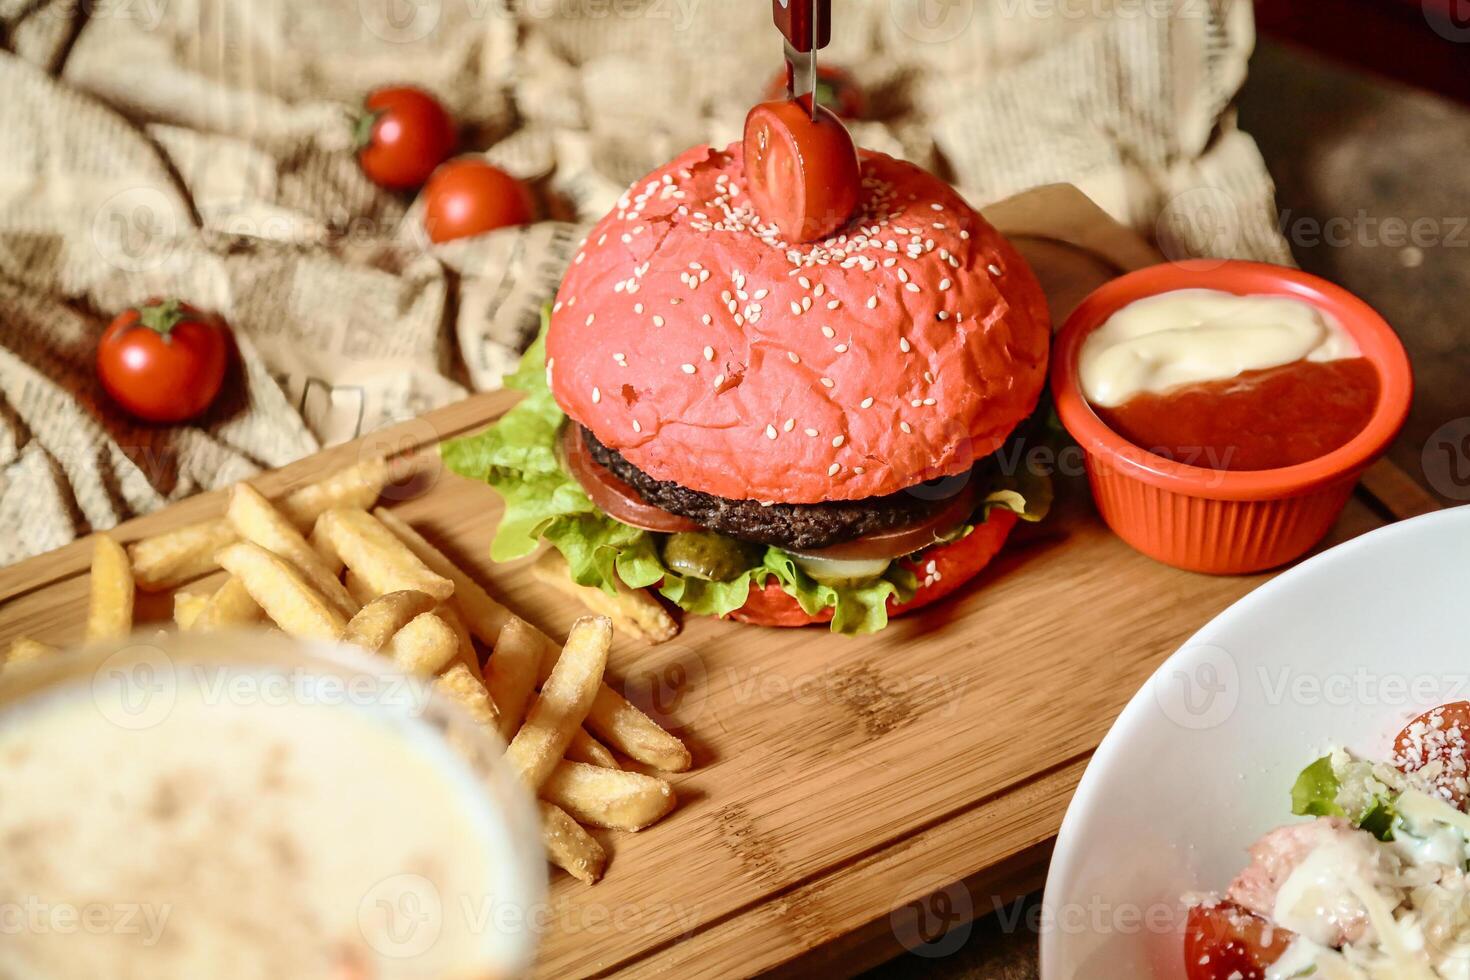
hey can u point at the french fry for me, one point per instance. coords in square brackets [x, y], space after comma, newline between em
[482, 614]
[380, 618]
[376, 554]
[328, 554]
[188, 606]
[360, 591]
[510, 677]
[615, 720]
[621, 725]
[510, 673]
[279, 589]
[631, 610]
[608, 797]
[618, 723]
[460, 686]
[569, 847]
[585, 748]
[110, 615]
[563, 702]
[423, 646]
[356, 486]
[255, 520]
[230, 605]
[24, 650]
[612, 718]
[466, 653]
[174, 557]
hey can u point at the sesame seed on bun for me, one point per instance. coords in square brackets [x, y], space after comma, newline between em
[690, 338]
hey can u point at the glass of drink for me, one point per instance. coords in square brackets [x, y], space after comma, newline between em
[248, 805]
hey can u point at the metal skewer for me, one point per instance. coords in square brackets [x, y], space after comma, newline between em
[806, 26]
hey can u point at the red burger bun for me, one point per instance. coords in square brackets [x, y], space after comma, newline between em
[689, 337]
[954, 564]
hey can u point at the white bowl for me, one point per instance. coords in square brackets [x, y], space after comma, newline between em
[1342, 649]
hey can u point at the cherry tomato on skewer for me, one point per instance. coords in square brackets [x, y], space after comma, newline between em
[163, 361]
[470, 197]
[802, 173]
[403, 134]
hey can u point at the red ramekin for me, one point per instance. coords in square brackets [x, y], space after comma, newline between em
[1217, 521]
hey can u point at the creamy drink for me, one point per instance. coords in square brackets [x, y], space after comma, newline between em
[163, 815]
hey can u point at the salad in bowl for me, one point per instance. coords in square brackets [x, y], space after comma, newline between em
[1376, 885]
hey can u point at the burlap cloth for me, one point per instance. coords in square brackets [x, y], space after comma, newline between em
[200, 148]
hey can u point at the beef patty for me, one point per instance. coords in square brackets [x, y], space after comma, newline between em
[799, 526]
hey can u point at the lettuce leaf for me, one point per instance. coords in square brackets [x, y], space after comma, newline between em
[1315, 792]
[517, 457]
[1379, 819]
[1338, 785]
[1018, 482]
[858, 607]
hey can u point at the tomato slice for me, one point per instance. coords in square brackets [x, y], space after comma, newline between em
[1439, 735]
[1227, 942]
[900, 541]
[801, 172]
[613, 496]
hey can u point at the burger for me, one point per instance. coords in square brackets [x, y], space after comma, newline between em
[780, 432]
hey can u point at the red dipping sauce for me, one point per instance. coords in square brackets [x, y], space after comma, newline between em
[1257, 420]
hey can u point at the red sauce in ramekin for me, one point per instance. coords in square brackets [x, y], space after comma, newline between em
[1258, 420]
[1219, 521]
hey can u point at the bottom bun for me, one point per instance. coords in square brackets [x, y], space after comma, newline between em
[955, 563]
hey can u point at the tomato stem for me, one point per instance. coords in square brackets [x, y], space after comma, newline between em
[162, 317]
[362, 129]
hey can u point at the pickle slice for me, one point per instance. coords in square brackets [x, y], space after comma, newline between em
[708, 555]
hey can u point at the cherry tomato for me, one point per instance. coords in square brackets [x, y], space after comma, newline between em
[470, 197]
[836, 89]
[163, 361]
[802, 173]
[1227, 942]
[1439, 735]
[612, 496]
[402, 135]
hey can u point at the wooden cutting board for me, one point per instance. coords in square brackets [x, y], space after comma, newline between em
[850, 796]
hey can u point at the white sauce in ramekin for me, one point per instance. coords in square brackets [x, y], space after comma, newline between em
[1189, 336]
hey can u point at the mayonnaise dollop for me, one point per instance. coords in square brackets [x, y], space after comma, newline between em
[1189, 336]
